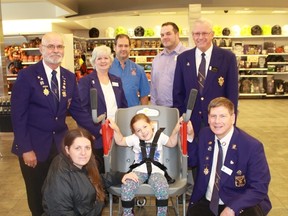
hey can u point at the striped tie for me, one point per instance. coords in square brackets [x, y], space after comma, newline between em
[201, 73]
[54, 89]
[214, 203]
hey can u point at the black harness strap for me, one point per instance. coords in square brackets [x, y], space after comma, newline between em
[149, 160]
[128, 204]
[152, 151]
[161, 203]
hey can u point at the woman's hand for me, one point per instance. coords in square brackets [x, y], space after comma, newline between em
[132, 176]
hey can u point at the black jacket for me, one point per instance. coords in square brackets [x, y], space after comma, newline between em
[68, 191]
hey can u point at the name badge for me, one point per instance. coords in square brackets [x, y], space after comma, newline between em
[226, 170]
[115, 84]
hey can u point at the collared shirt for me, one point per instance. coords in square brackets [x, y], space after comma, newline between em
[225, 144]
[162, 76]
[134, 80]
[198, 59]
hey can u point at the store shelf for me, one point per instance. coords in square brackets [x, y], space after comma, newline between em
[11, 77]
[252, 69]
[277, 54]
[278, 73]
[252, 94]
[276, 95]
[249, 55]
[277, 63]
[254, 37]
[252, 75]
[149, 48]
[28, 63]
[260, 74]
[30, 49]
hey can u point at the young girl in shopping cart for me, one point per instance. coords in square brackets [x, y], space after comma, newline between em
[148, 165]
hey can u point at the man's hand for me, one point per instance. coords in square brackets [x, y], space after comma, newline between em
[30, 159]
[227, 212]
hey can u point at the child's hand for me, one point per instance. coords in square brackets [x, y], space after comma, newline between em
[112, 124]
[132, 176]
[190, 130]
[178, 125]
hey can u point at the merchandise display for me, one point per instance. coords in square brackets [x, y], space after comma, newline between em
[120, 30]
[139, 31]
[226, 31]
[18, 56]
[263, 63]
[266, 29]
[5, 114]
[94, 33]
[109, 32]
[245, 30]
[256, 30]
[143, 50]
[276, 30]
[217, 30]
[252, 45]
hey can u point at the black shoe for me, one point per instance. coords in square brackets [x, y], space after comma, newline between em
[115, 199]
[180, 199]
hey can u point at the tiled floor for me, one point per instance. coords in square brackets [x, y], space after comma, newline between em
[266, 119]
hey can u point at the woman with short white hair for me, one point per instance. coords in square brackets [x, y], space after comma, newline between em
[110, 93]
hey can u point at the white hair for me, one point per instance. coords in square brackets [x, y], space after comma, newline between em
[101, 51]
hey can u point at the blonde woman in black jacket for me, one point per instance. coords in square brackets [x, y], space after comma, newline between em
[73, 185]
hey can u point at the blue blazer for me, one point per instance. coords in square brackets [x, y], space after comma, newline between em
[247, 184]
[35, 121]
[221, 80]
[92, 81]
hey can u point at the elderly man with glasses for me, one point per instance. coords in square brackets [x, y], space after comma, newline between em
[209, 69]
[41, 97]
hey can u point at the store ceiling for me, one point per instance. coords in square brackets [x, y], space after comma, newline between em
[75, 12]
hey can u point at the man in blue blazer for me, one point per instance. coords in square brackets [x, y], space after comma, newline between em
[101, 61]
[39, 114]
[221, 74]
[244, 177]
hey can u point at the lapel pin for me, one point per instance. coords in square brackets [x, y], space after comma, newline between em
[206, 171]
[221, 81]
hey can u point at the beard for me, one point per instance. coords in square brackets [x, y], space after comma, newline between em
[54, 59]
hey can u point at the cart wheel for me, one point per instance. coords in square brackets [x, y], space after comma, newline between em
[141, 201]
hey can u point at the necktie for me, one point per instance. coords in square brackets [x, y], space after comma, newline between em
[201, 73]
[215, 194]
[54, 89]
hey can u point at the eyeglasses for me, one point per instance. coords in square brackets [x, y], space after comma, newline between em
[52, 47]
[198, 34]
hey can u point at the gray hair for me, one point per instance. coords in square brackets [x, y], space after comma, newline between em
[202, 21]
[100, 51]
